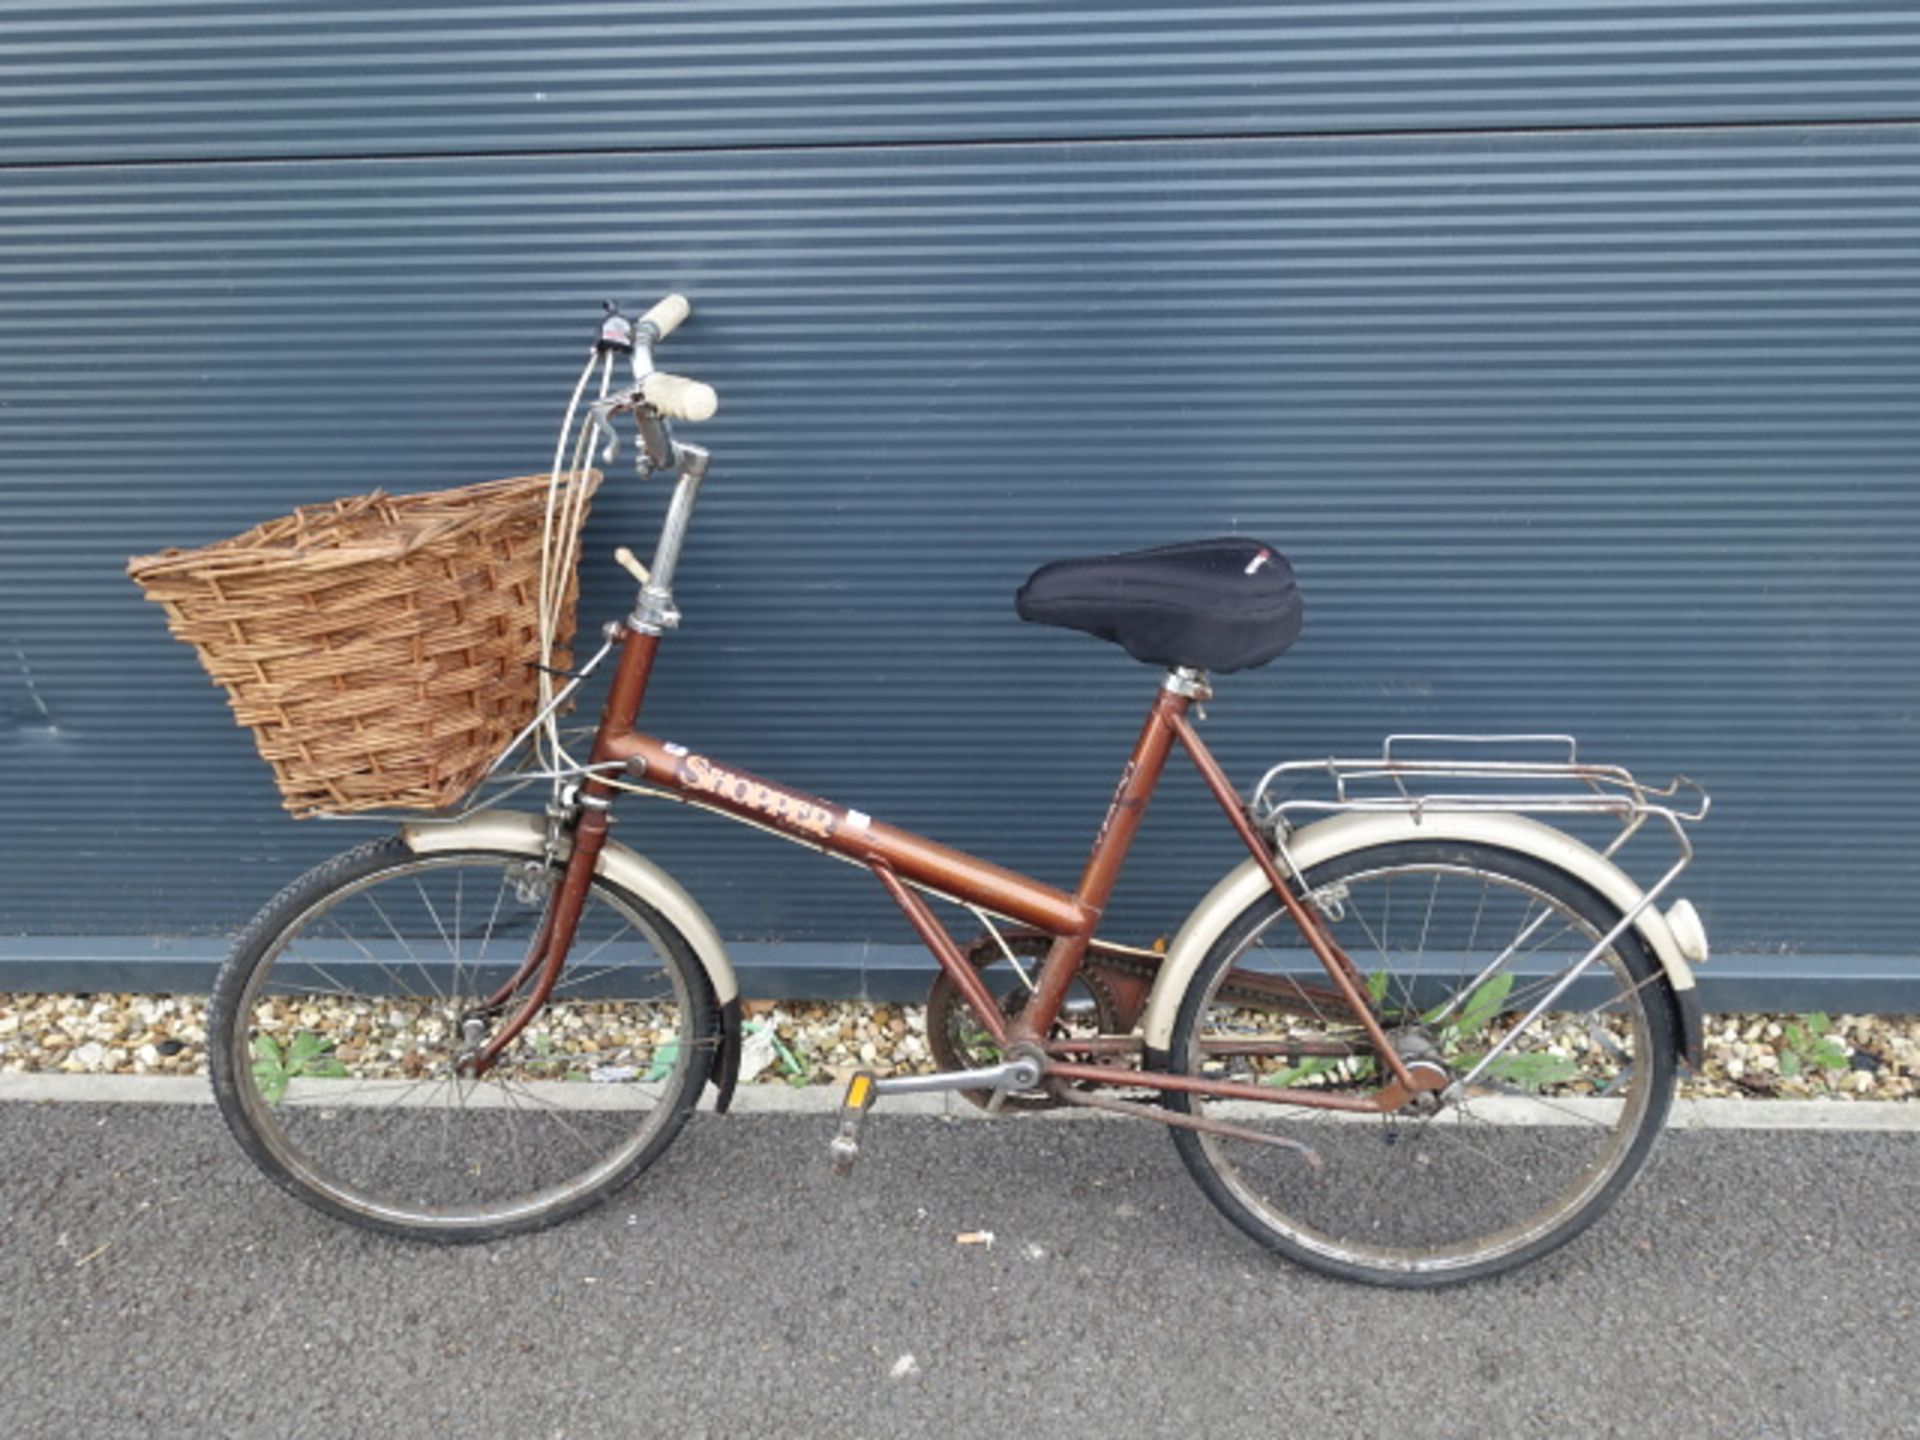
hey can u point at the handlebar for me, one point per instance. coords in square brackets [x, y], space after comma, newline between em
[655, 395]
[654, 398]
[673, 397]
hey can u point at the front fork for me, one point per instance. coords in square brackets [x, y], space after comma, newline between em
[547, 954]
[594, 805]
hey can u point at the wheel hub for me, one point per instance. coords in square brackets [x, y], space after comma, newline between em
[1420, 1052]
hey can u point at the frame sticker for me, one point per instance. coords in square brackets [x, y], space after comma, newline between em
[701, 776]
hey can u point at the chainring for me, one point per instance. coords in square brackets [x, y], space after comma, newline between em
[957, 1041]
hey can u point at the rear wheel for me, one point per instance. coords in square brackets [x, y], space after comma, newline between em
[338, 1021]
[1456, 942]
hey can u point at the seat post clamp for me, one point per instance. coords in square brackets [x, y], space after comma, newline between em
[1187, 681]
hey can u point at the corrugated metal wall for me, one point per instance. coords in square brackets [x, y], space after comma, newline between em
[1571, 353]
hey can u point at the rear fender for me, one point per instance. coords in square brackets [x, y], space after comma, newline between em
[1339, 834]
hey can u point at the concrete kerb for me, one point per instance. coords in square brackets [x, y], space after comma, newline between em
[1890, 1116]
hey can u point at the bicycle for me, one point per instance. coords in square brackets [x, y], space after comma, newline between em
[493, 1020]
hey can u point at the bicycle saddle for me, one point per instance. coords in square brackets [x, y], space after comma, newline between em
[1219, 605]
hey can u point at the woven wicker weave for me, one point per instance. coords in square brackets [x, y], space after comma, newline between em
[377, 647]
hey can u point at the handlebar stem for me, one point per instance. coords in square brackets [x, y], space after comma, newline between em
[655, 611]
[657, 448]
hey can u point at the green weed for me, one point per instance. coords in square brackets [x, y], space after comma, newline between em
[309, 1055]
[1810, 1046]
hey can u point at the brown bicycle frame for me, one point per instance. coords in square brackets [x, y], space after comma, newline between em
[906, 863]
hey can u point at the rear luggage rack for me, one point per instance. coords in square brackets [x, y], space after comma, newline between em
[1534, 774]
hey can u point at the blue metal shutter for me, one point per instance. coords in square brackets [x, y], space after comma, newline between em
[1606, 428]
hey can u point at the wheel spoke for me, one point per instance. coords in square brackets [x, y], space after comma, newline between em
[399, 985]
[554, 1112]
[1386, 960]
[394, 930]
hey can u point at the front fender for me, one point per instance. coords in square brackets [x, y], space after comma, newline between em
[1338, 834]
[522, 834]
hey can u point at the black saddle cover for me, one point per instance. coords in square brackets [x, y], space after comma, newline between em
[1219, 605]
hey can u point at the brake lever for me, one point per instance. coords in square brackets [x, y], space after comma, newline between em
[633, 401]
[600, 414]
[597, 414]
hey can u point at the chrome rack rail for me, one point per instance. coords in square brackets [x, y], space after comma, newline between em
[1420, 775]
[1552, 780]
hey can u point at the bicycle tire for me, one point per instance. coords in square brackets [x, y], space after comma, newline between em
[1421, 1172]
[321, 1149]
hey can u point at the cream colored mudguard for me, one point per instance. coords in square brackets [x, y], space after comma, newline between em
[1337, 835]
[523, 834]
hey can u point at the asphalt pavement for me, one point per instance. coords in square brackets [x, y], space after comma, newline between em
[1752, 1284]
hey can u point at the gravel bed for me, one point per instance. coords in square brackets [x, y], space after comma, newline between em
[1868, 1057]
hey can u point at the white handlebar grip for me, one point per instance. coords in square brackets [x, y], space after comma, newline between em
[667, 315]
[679, 398]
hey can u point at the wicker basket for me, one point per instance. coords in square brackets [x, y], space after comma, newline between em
[377, 647]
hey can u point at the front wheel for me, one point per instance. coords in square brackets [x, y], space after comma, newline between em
[338, 1022]
[1455, 941]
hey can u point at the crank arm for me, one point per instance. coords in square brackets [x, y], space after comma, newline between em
[1114, 1105]
[863, 1090]
[1019, 1074]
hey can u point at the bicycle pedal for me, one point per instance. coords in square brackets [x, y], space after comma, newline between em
[845, 1147]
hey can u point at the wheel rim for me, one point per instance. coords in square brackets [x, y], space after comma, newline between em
[345, 1039]
[1521, 1158]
